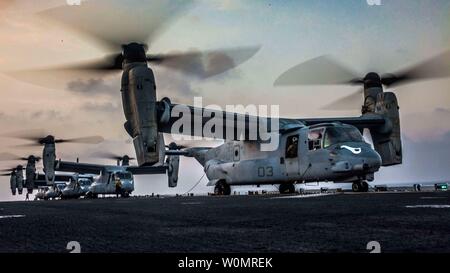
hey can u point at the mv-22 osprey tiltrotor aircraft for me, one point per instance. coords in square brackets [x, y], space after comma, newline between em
[34, 180]
[110, 179]
[116, 179]
[142, 110]
[317, 149]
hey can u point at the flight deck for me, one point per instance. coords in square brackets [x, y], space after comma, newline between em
[338, 222]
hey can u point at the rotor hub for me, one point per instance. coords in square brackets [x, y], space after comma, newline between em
[372, 80]
[32, 159]
[47, 140]
[134, 53]
[125, 160]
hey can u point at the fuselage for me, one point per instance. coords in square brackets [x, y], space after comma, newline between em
[332, 152]
[78, 187]
[113, 180]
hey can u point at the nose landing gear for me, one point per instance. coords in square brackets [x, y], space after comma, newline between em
[287, 188]
[222, 188]
[360, 186]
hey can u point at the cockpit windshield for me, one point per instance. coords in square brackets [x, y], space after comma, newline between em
[85, 182]
[124, 175]
[336, 135]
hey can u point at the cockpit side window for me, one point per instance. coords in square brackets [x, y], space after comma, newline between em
[292, 146]
[315, 137]
[124, 175]
[336, 135]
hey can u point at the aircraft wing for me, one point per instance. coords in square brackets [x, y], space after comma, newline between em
[83, 168]
[58, 177]
[135, 170]
[364, 121]
[233, 125]
[226, 122]
[86, 168]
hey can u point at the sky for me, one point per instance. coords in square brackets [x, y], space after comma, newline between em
[366, 38]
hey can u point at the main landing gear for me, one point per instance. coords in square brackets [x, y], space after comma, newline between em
[288, 188]
[360, 186]
[222, 188]
[91, 195]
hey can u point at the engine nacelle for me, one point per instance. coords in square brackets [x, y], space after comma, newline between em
[30, 177]
[140, 108]
[13, 183]
[49, 161]
[387, 139]
[19, 181]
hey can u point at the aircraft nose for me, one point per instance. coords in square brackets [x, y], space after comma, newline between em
[372, 160]
[357, 158]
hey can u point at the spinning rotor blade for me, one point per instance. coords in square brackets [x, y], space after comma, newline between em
[13, 157]
[205, 64]
[111, 156]
[9, 170]
[40, 137]
[28, 145]
[349, 102]
[4, 4]
[173, 146]
[433, 68]
[322, 70]
[196, 63]
[135, 21]
[82, 140]
[31, 135]
[112, 62]
[9, 157]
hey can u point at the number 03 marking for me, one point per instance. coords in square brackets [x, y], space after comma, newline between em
[265, 171]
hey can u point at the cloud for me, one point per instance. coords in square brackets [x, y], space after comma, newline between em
[107, 107]
[226, 5]
[177, 87]
[94, 86]
[4, 4]
[424, 161]
[31, 116]
[442, 111]
[433, 125]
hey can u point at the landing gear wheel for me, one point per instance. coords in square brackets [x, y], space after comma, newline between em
[356, 187]
[365, 186]
[125, 194]
[222, 188]
[360, 186]
[91, 195]
[287, 188]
